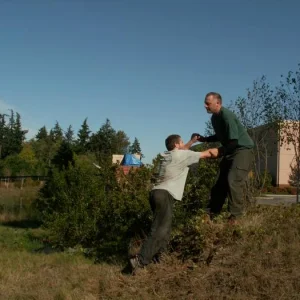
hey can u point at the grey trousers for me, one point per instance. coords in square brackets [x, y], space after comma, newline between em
[162, 204]
[233, 174]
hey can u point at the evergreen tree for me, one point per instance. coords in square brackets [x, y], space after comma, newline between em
[42, 134]
[3, 134]
[12, 135]
[135, 148]
[103, 140]
[69, 135]
[64, 156]
[56, 132]
[83, 137]
[18, 135]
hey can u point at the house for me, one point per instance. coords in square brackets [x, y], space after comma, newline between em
[275, 155]
[117, 158]
[127, 162]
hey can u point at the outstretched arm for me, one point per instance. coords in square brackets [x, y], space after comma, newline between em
[210, 153]
[192, 141]
[208, 139]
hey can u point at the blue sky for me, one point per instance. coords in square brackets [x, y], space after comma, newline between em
[145, 65]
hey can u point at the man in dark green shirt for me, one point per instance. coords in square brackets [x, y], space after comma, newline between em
[237, 154]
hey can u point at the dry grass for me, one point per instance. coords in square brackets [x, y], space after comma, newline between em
[56, 276]
[13, 198]
[258, 259]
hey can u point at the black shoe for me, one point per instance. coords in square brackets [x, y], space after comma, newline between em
[156, 258]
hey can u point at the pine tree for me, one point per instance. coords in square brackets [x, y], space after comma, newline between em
[18, 135]
[3, 134]
[64, 156]
[13, 135]
[69, 135]
[83, 137]
[135, 148]
[56, 132]
[42, 134]
[103, 140]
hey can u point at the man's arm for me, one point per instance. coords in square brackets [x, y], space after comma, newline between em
[210, 153]
[208, 139]
[211, 139]
[232, 145]
[191, 157]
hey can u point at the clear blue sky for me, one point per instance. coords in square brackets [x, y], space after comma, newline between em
[145, 65]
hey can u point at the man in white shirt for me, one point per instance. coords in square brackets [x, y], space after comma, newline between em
[169, 187]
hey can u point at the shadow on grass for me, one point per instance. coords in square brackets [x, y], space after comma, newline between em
[48, 249]
[24, 224]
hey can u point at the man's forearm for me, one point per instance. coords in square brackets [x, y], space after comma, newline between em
[232, 145]
[205, 154]
[211, 139]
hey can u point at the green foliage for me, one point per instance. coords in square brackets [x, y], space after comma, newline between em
[259, 180]
[11, 134]
[64, 156]
[42, 134]
[94, 208]
[107, 141]
[200, 180]
[294, 178]
[262, 229]
[82, 143]
[135, 148]
[69, 135]
[14, 165]
[56, 133]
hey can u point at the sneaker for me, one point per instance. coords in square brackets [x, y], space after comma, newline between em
[135, 263]
[156, 258]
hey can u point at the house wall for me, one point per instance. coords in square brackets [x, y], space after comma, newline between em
[280, 157]
[287, 156]
[117, 158]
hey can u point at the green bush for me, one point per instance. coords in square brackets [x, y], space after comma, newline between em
[103, 209]
[196, 195]
[97, 209]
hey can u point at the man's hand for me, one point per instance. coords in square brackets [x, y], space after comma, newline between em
[195, 137]
[199, 138]
[214, 152]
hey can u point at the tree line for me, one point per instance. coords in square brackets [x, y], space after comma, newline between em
[19, 157]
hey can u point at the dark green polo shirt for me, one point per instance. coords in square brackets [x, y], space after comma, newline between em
[227, 127]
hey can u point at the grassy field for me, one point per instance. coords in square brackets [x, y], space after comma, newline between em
[258, 259]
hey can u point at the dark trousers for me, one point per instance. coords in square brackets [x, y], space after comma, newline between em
[233, 174]
[162, 204]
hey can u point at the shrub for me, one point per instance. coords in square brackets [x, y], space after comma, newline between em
[84, 206]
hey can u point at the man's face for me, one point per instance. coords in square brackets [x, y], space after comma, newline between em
[180, 144]
[212, 105]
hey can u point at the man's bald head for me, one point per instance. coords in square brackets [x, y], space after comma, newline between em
[213, 102]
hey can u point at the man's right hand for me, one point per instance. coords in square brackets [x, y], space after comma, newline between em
[214, 152]
[200, 138]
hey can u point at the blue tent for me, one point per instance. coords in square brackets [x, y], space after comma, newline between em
[130, 160]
